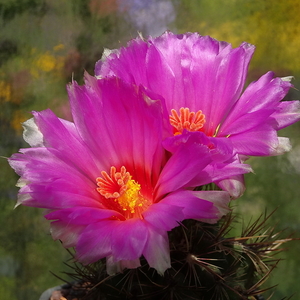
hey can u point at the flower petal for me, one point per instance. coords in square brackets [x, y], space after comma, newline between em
[185, 163]
[67, 233]
[94, 242]
[113, 267]
[200, 73]
[46, 176]
[163, 216]
[97, 120]
[234, 185]
[260, 100]
[32, 134]
[129, 239]
[259, 141]
[187, 70]
[288, 112]
[157, 252]
[195, 205]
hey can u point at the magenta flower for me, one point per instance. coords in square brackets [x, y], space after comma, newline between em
[201, 81]
[110, 188]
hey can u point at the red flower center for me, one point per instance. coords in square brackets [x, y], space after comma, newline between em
[190, 121]
[122, 192]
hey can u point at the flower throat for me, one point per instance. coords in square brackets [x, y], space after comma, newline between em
[122, 192]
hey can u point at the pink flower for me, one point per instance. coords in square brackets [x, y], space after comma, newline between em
[110, 188]
[201, 81]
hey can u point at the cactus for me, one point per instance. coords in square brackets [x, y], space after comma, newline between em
[207, 264]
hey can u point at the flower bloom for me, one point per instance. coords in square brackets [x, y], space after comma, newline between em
[201, 81]
[111, 190]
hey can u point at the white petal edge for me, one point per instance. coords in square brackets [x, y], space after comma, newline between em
[287, 78]
[114, 267]
[284, 146]
[32, 135]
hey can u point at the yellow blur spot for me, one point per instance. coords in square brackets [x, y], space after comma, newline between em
[5, 91]
[59, 47]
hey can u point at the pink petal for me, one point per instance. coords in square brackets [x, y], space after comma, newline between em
[129, 239]
[201, 73]
[47, 175]
[288, 112]
[64, 141]
[193, 206]
[220, 199]
[157, 252]
[185, 163]
[262, 95]
[187, 70]
[259, 141]
[83, 215]
[94, 242]
[94, 108]
[163, 216]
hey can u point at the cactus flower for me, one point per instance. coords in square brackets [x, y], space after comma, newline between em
[110, 188]
[201, 82]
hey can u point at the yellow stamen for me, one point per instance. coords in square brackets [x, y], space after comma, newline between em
[130, 198]
[217, 129]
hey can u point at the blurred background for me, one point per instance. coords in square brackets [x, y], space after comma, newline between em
[46, 43]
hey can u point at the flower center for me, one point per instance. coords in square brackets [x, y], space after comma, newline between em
[190, 121]
[123, 192]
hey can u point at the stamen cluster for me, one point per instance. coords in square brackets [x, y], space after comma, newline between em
[186, 120]
[123, 191]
